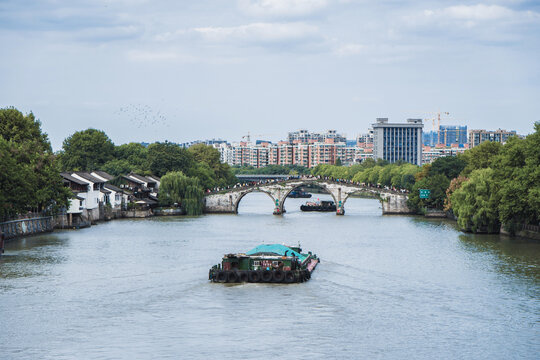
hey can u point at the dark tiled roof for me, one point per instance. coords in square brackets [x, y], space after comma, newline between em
[104, 175]
[142, 178]
[112, 187]
[147, 201]
[68, 177]
[89, 177]
[133, 180]
[105, 191]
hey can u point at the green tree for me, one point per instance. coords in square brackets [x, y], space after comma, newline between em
[86, 150]
[475, 203]
[135, 153]
[480, 157]
[165, 157]
[132, 157]
[406, 181]
[207, 177]
[176, 188]
[29, 175]
[119, 167]
[221, 173]
[454, 185]
[437, 185]
[516, 171]
[338, 162]
[449, 166]
[270, 170]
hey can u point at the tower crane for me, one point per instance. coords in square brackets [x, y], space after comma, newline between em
[438, 118]
[249, 135]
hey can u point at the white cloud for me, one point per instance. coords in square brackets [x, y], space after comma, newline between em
[178, 56]
[260, 33]
[108, 33]
[349, 49]
[470, 15]
[286, 8]
[159, 56]
[478, 12]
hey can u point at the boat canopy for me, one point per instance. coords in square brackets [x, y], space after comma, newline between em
[277, 249]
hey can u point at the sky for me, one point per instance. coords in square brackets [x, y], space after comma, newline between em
[187, 70]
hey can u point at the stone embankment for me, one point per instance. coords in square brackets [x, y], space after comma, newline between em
[43, 224]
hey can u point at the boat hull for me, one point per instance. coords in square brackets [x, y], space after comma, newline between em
[263, 276]
[318, 208]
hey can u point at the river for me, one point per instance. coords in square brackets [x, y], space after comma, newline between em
[389, 287]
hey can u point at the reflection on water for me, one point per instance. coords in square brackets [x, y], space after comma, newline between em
[511, 256]
[387, 287]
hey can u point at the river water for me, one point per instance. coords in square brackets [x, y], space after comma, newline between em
[389, 287]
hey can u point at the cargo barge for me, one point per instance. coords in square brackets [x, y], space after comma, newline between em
[265, 264]
[319, 206]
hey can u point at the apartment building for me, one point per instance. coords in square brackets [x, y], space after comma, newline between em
[476, 137]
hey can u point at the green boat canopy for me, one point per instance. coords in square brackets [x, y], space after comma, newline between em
[277, 249]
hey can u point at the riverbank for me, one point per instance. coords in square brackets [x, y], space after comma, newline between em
[18, 228]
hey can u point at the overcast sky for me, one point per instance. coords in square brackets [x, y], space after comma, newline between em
[186, 70]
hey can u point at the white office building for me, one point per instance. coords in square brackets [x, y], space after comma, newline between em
[398, 141]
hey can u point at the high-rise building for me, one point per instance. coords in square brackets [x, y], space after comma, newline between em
[476, 137]
[303, 136]
[430, 138]
[363, 140]
[452, 134]
[398, 141]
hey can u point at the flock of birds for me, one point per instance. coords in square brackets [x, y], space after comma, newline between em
[141, 116]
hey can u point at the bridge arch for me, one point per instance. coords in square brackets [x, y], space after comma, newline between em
[316, 183]
[377, 194]
[249, 191]
[372, 191]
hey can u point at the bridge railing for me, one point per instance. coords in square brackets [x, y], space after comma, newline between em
[252, 184]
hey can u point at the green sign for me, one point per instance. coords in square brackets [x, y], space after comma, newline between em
[424, 193]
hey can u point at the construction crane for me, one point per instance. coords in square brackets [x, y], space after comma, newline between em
[437, 118]
[249, 135]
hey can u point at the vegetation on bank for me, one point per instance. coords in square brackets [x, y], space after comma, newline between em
[177, 188]
[271, 170]
[186, 173]
[502, 186]
[489, 185]
[380, 172]
[29, 172]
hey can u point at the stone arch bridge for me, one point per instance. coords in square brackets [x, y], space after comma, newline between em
[227, 201]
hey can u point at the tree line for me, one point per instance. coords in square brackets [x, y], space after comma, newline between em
[271, 170]
[186, 173]
[30, 172]
[485, 187]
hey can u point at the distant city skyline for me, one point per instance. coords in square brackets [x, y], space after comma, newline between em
[180, 71]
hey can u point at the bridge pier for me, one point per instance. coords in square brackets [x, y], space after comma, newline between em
[278, 210]
[340, 210]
